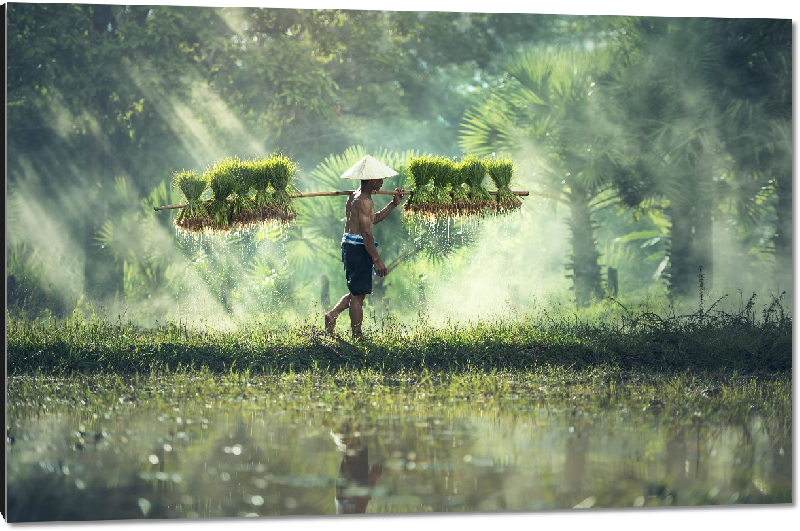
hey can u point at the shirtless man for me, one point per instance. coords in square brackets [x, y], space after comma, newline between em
[360, 253]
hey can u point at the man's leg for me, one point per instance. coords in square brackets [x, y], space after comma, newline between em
[356, 314]
[331, 316]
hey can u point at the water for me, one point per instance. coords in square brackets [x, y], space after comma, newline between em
[181, 448]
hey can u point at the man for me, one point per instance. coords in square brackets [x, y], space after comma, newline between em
[360, 253]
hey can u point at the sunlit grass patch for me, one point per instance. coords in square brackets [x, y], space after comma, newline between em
[709, 342]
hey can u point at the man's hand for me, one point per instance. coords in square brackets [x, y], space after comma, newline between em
[380, 269]
[375, 472]
[399, 194]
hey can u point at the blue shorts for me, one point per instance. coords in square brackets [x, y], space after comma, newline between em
[357, 268]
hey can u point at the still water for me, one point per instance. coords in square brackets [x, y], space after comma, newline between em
[176, 448]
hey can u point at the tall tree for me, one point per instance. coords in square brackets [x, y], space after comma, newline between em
[693, 91]
[546, 113]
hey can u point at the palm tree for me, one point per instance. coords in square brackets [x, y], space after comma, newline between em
[546, 112]
[699, 96]
[756, 85]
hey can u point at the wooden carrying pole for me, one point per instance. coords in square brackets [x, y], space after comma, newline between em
[522, 193]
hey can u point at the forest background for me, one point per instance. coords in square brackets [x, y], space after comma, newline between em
[651, 145]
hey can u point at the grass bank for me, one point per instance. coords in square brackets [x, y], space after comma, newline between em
[707, 341]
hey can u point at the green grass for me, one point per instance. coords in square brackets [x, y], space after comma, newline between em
[705, 341]
[591, 389]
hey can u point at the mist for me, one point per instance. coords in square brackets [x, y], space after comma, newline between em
[88, 159]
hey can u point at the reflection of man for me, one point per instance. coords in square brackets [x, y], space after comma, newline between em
[356, 477]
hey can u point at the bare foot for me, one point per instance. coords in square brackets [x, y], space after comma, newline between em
[330, 324]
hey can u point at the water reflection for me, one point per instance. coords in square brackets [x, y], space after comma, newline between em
[357, 477]
[257, 456]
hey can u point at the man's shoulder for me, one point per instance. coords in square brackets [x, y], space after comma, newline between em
[362, 200]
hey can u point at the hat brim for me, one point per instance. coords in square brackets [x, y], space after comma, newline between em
[367, 169]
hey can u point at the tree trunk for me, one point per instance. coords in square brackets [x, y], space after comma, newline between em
[681, 253]
[691, 239]
[586, 278]
[704, 242]
[325, 292]
[783, 232]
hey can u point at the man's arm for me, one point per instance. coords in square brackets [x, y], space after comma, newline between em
[396, 199]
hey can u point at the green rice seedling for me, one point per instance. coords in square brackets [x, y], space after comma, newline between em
[243, 210]
[222, 179]
[193, 217]
[442, 170]
[461, 201]
[282, 176]
[259, 176]
[420, 170]
[474, 170]
[501, 171]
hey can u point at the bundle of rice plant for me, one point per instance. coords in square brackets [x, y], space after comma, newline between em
[474, 170]
[282, 175]
[419, 168]
[194, 216]
[501, 171]
[442, 171]
[242, 205]
[259, 176]
[459, 179]
[223, 179]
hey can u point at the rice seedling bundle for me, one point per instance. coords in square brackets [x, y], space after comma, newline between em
[421, 171]
[251, 192]
[282, 174]
[474, 171]
[241, 201]
[262, 206]
[460, 189]
[442, 174]
[259, 175]
[501, 171]
[194, 216]
[225, 179]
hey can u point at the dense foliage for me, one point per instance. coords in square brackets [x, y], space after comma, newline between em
[665, 145]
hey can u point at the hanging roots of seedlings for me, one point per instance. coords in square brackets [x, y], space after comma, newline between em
[501, 171]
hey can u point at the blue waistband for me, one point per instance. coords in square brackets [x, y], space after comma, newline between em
[355, 239]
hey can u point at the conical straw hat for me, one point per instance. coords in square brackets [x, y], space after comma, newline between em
[369, 168]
